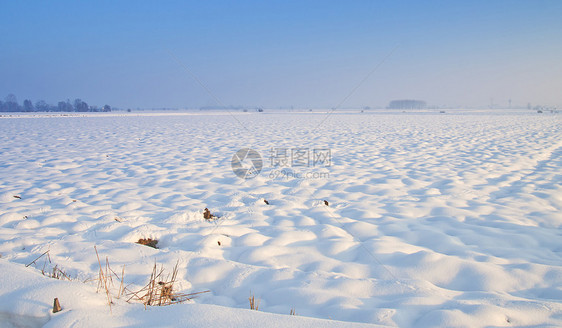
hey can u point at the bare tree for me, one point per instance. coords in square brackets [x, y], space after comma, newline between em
[42, 106]
[28, 106]
[80, 106]
[11, 104]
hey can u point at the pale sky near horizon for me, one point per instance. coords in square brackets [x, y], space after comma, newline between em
[282, 53]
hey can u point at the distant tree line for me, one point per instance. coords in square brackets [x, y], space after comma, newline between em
[10, 104]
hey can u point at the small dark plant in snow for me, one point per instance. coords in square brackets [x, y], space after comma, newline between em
[148, 242]
[208, 215]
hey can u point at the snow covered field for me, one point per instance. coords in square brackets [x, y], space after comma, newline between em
[433, 219]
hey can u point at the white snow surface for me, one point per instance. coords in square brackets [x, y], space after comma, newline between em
[434, 219]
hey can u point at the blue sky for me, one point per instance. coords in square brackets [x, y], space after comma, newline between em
[282, 53]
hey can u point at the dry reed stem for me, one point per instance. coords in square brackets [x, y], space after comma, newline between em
[102, 277]
[56, 305]
[40, 256]
[121, 287]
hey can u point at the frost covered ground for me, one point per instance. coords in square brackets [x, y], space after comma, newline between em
[434, 219]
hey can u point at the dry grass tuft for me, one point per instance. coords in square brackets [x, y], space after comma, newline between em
[293, 311]
[254, 303]
[148, 242]
[160, 290]
[57, 273]
[105, 280]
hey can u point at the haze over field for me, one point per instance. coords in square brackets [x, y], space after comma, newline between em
[283, 53]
